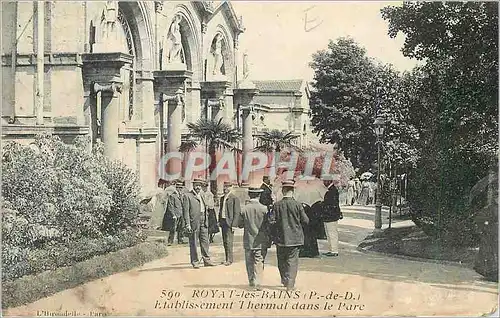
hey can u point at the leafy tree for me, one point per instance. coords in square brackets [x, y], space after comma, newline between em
[459, 41]
[274, 142]
[350, 89]
[452, 103]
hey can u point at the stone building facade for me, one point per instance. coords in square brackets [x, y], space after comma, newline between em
[131, 74]
[283, 105]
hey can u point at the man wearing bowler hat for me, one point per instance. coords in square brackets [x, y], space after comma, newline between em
[256, 241]
[266, 197]
[229, 210]
[287, 217]
[175, 212]
[196, 218]
[331, 215]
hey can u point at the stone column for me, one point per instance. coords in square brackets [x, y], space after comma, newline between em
[169, 87]
[174, 124]
[243, 97]
[102, 73]
[110, 119]
[247, 133]
[217, 108]
[215, 92]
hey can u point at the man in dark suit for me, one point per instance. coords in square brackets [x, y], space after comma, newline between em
[330, 216]
[266, 198]
[175, 212]
[196, 218]
[256, 238]
[287, 217]
[229, 209]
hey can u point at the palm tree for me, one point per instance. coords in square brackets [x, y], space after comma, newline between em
[275, 141]
[214, 135]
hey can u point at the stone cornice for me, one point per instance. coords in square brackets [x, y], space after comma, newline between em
[29, 59]
[139, 132]
[107, 58]
[144, 75]
[29, 130]
[172, 74]
[216, 88]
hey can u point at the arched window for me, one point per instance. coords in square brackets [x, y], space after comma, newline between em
[128, 75]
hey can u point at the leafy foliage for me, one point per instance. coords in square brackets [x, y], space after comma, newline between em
[30, 288]
[55, 193]
[276, 140]
[453, 104]
[350, 90]
[19, 262]
[216, 135]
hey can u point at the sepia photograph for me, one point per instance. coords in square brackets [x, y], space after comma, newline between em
[249, 158]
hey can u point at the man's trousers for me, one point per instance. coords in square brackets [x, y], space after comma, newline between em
[254, 260]
[227, 240]
[177, 228]
[199, 238]
[332, 235]
[288, 264]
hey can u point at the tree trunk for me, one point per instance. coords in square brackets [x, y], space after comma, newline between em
[211, 169]
[277, 153]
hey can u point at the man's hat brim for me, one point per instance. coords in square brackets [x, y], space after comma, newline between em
[288, 183]
[255, 190]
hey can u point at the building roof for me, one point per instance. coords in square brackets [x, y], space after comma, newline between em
[280, 85]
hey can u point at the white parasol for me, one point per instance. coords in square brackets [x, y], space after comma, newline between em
[310, 192]
[366, 175]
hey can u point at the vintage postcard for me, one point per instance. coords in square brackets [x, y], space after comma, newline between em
[248, 158]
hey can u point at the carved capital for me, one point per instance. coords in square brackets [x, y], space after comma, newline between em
[178, 97]
[247, 108]
[216, 102]
[107, 88]
[158, 6]
[203, 27]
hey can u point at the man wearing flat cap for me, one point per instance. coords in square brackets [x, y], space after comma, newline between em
[229, 210]
[256, 240]
[287, 217]
[196, 218]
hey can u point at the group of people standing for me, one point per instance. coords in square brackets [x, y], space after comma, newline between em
[284, 223]
[360, 192]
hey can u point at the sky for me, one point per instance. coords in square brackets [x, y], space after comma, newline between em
[280, 37]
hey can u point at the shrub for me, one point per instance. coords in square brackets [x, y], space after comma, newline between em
[67, 190]
[55, 194]
[19, 262]
[33, 287]
[439, 194]
[124, 186]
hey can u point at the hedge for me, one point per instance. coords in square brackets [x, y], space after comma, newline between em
[20, 262]
[33, 287]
